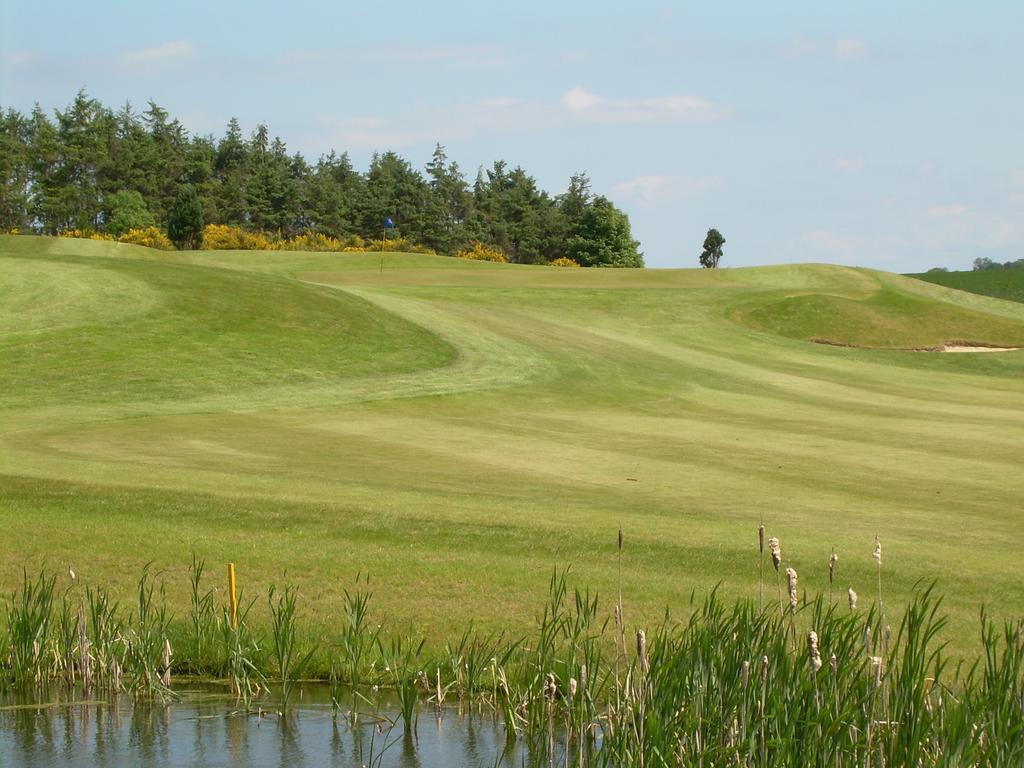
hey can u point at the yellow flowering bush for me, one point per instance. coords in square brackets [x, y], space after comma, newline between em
[480, 252]
[391, 244]
[85, 234]
[221, 237]
[563, 262]
[12, 231]
[311, 241]
[150, 237]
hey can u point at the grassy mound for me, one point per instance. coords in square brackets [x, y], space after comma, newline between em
[457, 428]
[79, 329]
[889, 318]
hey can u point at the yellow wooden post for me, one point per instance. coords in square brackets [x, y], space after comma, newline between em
[232, 596]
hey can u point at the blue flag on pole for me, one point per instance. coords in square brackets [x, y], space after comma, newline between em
[388, 223]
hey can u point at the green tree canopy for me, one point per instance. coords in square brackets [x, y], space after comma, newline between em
[712, 252]
[185, 228]
[603, 237]
[88, 167]
[127, 210]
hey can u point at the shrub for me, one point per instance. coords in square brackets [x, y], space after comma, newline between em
[390, 245]
[221, 237]
[480, 252]
[85, 234]
[150, 237]
[563, 262]
[311, 241]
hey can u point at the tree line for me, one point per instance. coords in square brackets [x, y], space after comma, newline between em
[92, 168]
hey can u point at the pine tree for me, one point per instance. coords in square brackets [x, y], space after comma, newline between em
[185, 228]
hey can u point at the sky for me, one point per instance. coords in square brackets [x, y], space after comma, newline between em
[879, 134]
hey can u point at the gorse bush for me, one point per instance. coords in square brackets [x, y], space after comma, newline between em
[86, 234]
[563, 262]
[221, 237]
[150, 237]
[477, 251]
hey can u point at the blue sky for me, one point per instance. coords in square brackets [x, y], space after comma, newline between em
[879, 134]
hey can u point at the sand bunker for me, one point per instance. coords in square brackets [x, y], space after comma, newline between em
[967, 348]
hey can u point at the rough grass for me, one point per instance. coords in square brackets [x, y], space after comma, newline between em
[1004, 283]
[456, 429]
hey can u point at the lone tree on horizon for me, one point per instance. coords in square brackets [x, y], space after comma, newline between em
[712, 253]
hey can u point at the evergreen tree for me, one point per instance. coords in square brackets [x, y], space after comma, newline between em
[603, 238]
[230, 167]
[333, 196]
[185, 228]
[15, 170]
[91, 168]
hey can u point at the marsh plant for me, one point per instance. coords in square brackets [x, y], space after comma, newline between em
[807, 682]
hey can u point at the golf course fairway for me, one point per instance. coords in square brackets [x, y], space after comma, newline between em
[458, 429]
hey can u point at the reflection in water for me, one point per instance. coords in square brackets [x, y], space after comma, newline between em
[205, 728]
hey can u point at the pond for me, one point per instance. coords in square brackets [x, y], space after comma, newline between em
[204, 726]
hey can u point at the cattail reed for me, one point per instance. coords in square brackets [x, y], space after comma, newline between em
[877, 554]
[776, 552]
[851, 596]
[572, 688]
[791, 583]
[84, 666]
[876, 668]
[745, 674]
[165, 678]
[550, 687]
[641, 650]
[760, 566]
[813, 651]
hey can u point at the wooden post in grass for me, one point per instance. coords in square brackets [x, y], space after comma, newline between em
[232, 596]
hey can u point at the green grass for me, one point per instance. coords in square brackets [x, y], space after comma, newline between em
[456, 429]
[1005, 283]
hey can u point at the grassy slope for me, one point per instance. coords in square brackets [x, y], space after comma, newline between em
[457, 429]
[1000, 283]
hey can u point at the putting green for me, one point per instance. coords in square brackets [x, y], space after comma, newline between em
[457, 429]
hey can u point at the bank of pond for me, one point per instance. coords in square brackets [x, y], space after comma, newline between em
[789, 679]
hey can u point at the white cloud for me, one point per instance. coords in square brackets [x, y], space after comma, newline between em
[849, 48]
[16, 59]
[653, 190]
[500, 114]
[956, 226]
[322, 61]
[946, 211]
[598, 109]
[177, 49]
[828, 241]
[505, 114]
[848, 164]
